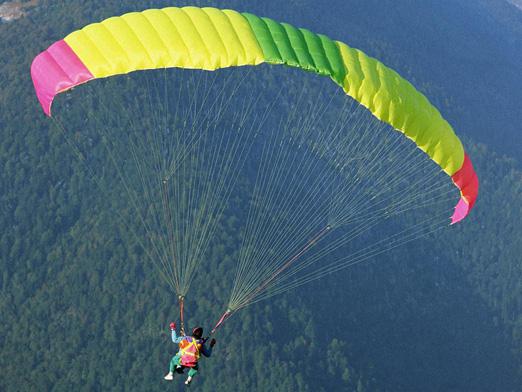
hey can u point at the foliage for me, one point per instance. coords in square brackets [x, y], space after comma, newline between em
[81, 309]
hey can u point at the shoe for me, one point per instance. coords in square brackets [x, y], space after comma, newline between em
[169, 376]
[189, 380]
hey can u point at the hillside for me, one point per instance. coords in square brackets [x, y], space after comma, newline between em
[81, 309]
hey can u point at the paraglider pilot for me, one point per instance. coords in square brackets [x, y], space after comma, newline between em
[190, 350]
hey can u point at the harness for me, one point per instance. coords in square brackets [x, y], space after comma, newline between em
[189, 351]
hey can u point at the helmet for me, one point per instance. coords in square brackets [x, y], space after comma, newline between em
[197, 332]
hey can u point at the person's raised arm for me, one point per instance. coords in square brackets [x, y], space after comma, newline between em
[174, 335]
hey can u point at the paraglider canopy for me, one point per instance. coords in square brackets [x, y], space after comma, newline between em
[208, 38]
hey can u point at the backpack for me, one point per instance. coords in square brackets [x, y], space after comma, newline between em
[189, 351]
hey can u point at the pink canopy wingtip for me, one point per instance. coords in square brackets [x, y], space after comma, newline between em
[55, 70]
[461, 211]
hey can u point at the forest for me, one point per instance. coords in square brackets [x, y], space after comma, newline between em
[83, 308]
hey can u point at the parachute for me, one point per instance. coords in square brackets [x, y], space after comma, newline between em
[210, 39]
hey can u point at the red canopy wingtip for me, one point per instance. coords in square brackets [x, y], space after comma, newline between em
[467, 181]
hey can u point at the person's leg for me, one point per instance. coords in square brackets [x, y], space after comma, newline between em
[192, 372]
[172, 365]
